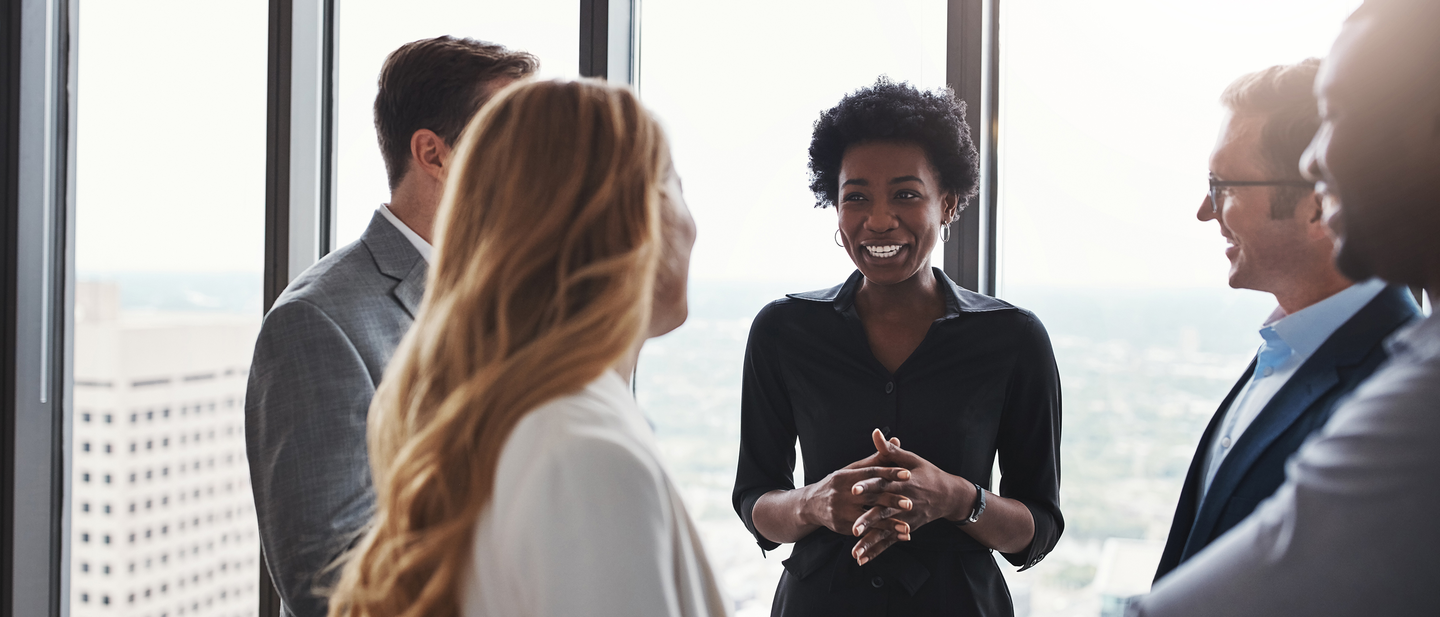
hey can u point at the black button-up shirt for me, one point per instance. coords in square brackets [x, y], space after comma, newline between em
[982, 382]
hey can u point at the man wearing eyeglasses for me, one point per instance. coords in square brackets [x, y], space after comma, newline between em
[1322, 340]
[1352, 530]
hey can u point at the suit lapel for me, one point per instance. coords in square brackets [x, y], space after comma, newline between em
[1316, 377]
[411, 289]
[396, 258]
[1348, 346]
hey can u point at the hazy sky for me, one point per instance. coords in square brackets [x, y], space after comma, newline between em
[171, 136]
[1110, 112]
[1108, 115]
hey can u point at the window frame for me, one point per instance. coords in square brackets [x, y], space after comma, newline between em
[972, 68]
[299, 163]
[38, 294]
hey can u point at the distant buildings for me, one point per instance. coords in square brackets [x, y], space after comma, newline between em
[1126, 569]
[163, 523]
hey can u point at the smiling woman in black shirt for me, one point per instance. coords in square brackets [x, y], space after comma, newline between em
[902, 389]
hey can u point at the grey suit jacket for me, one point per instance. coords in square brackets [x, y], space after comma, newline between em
[321, 351]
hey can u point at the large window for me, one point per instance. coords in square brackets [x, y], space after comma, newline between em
[371, 29]
[170, 221]
[1109, 112]
[738, 86]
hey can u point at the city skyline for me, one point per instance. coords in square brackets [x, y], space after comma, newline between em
[162, 524]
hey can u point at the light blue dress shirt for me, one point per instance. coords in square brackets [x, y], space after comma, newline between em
[1289, 340]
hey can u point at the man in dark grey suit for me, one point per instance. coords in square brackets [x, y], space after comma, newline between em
[1324, 339]
[325, 343]
[1352, 530]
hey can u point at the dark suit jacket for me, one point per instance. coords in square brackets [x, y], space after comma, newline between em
[1256, 467]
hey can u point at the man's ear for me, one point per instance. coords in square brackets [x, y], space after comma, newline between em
[430, 154]
[1312, 209]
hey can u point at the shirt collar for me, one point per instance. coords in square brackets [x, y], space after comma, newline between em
[419, 243]
[1307, 329]
[957, 299]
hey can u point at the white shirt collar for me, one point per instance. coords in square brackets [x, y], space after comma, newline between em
[1308, 328]
[419, 243]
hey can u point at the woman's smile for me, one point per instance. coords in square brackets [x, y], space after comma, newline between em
[884, 252]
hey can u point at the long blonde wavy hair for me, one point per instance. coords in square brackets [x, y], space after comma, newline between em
[548, 241]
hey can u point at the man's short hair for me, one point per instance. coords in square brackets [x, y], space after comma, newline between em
[1284, 96]
[437, 84]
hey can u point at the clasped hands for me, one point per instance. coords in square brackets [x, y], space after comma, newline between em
[883, 497]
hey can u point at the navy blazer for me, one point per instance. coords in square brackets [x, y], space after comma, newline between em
[1256, 467]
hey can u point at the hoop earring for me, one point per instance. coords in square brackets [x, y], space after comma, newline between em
[837, 239]
[945, 233]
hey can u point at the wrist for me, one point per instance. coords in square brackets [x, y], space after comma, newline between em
[962, 501]
[977, 508]
[804, 500]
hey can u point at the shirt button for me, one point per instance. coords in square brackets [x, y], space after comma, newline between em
[1269, 370]
[1225, 443]
[889, 387]
[877, 582]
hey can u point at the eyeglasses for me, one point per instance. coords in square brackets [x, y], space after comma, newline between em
[1216, 186]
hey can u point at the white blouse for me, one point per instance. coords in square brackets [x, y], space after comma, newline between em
[584, 520]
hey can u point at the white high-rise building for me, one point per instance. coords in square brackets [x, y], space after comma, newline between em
[163, 519]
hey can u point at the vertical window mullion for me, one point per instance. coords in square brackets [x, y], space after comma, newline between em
[971, 68]
[38, 233]
[300, 219]
[609, 40]
[300, 144]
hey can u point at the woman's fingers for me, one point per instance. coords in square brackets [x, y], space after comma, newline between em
[893, 454]
[879, 517]
[866, 520]
[878, 438]
[893, 500]
[890, 452]
[868, 544]
[872, 485]
[854, 477]
[883, 492]
[872, 544]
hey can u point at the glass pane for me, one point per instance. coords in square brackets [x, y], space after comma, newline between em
[1109, 114]
[370, 29]
[170, 211]
[739, 117]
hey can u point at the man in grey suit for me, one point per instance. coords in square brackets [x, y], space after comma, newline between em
[1352, 531]
[324, 344]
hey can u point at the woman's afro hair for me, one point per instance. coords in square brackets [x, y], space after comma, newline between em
[888, 111]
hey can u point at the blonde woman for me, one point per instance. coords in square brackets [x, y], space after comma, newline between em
[514, 474]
